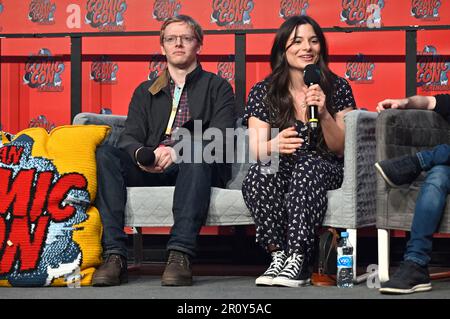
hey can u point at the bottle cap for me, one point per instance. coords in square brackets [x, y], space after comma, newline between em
[344, 234]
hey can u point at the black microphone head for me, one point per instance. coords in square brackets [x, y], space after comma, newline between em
[145, 156]
[311, 74]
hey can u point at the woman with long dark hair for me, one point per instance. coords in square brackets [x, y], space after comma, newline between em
[288, 205]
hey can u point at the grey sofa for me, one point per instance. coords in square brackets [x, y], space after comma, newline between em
[352, 206]
[401, 132]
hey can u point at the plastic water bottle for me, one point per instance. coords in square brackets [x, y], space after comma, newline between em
[344, 278]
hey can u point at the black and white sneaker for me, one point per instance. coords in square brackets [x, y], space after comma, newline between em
[294, 273]
[409, 278]
[277, 264]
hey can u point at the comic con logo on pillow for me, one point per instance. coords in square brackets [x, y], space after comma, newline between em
[232, 14]
[165, 9]
[289, 8]
[106, 15]
[360, 70]
[157, 66]
[425, 9]
[42, 11]
[362, 13]
[432, 70]
[104, 71]
[43, 72]
[39, 211]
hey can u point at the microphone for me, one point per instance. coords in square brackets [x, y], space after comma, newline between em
[145, 156]
[311, 75]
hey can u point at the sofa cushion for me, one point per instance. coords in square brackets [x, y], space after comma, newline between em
[50, 233]
[152, 207]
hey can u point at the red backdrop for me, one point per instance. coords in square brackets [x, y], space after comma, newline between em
[373, 62]
[45, 16]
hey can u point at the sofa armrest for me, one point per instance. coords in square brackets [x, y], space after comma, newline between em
[353, 205]
[116, 122]
[405, 132]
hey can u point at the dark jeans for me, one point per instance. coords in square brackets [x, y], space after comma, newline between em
[430, 203]
[116, 171]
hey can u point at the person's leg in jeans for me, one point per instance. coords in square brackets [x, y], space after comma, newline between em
[190, 209]
[116, 171]
[190, 205]
[412, 275]
[430, 205]
[405, 169]
[439, 155]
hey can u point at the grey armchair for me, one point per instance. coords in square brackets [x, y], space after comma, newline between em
[402, 132]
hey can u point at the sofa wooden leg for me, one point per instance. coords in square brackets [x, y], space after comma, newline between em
[383, 254]
[137, 248]
[440, 275]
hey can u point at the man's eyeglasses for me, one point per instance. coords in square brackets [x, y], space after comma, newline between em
[172, 39]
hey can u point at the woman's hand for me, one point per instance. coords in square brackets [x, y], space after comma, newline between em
[315, 96]
[287, 141]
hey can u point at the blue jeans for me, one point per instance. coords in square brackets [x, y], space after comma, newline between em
[430, 203]
[116, 171]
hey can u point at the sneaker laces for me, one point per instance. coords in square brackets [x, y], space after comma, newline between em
[278, 260]
[292, 266]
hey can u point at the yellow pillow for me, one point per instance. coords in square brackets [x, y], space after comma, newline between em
[50, 234]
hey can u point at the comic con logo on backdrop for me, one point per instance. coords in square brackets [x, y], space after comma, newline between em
[157, 66]
[104, 71]
[42, 121]
[360, 70]
[106, 15]
[42, 11]
[225, 70]
[43, 72]
[361, 13]
[425, 9]
[432, 70]
[232, 14]
[1, 11]
[289, 8]
[165, 9]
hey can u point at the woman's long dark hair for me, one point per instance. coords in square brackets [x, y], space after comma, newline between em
[279, 99]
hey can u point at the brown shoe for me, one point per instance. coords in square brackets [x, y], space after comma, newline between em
[113, 272]
[178, 270]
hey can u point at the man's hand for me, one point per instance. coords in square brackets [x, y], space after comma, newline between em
[414, 102]
[392, 104]
[164, 157]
